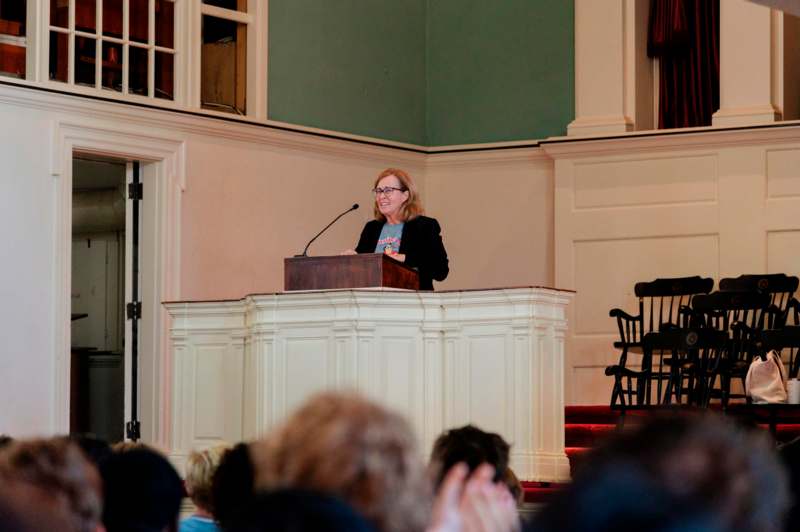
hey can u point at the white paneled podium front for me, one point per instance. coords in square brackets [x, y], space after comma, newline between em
[494, 358]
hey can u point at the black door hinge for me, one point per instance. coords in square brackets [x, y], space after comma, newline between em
[135, 191]
[133, 430]
[134, 310]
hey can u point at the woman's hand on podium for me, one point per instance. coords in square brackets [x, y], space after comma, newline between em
[348, 252]
[401, 257]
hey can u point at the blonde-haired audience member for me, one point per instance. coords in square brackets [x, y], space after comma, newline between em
[200, 469]
[352, 448]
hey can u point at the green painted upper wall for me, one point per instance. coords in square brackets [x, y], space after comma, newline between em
[499, 70]
[356, 66]
[429, 72]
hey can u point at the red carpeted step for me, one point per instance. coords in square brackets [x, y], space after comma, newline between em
[586, 434]
[540, 492]
[576, 456]
[590, 414]
[786, 432]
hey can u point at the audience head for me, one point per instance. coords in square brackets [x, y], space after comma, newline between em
[143, 492]
[233, 484]
[470, 445]
[697, 472]
[790, 454]
[347, 446]
[298, 511]
[55, 473]
[96, 450]
[200, 469]
[28, 508]
[5, 440]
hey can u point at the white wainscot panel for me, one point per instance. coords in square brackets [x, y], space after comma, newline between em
[308, 369]
[605, 274]
[399, 371]
[783, 252]
[645, 181]
[488, 381]
[783, 179]
[607, 270]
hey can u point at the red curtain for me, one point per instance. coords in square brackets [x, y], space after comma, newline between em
[684, 35]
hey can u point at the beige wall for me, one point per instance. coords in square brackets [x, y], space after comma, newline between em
[248, 205]
[496, 211]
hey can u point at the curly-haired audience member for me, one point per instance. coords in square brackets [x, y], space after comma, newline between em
[200, 469]
[347, 446]
[56, 473]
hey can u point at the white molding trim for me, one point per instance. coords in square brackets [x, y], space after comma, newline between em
[292, 137]
[746, 116]
[598, 125]
[169, 156]
[703, 138]
[490, 157]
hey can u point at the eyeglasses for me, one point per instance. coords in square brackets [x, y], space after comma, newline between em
[386, 190]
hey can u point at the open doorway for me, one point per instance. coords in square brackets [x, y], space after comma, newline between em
[102, 276]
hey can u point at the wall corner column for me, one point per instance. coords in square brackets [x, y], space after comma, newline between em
[751, 68]
[610, 64]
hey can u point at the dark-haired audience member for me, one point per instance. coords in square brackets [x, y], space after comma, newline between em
[5, 440]
[233, 484]
[56, 473]
[349, 447]
[200, 469]
[143, 492]
[96, 450]
[790, 454]
[472, 446]
[298, 511]
[698, 473]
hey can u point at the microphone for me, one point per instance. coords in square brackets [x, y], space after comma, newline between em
[305, 251]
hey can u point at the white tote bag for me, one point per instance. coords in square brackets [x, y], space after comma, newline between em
[765, 379]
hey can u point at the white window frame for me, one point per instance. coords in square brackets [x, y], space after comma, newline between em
[256, 20]
[187, 48]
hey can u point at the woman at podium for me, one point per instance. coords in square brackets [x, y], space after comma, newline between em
[401, 231]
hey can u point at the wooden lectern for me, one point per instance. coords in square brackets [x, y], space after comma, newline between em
[347, 271]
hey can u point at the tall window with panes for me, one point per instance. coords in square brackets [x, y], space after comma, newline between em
[125, 46]
[223, 57]
[131, 48]
[13, 42]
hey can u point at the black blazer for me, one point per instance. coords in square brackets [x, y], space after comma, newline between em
[421, 243]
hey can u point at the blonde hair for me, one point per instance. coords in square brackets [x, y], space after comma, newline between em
[345, 445]
[200, 469]
[412, 206]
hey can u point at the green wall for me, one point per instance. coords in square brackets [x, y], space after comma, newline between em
[356, 66]
[499, 70]
[429, 72]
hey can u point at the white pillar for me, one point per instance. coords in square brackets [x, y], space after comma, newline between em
[750, 64]
[613, 76]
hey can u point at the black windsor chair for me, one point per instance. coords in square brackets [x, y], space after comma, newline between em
[663, 304]
[741, 315]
